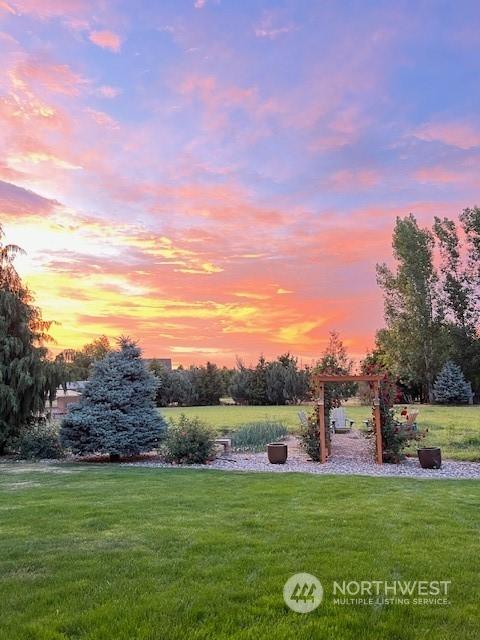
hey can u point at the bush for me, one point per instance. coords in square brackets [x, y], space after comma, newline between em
[39, 441]
[189, 441]
[310, 436]
[254, 436]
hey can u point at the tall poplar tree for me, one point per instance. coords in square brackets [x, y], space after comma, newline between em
[460, 282]
[413, 338]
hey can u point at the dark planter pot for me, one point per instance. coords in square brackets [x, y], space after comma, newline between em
[277, 452]
[430, 457]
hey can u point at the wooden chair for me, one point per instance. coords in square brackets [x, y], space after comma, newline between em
[339, 421]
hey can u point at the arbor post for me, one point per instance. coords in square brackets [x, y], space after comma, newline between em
[378, 423]
[321, 421]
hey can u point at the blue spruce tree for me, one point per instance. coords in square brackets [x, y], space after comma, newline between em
[451, 387]
[116, 414]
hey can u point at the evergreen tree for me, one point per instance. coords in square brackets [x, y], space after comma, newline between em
[270, 383]
[180, 388]
[208, 384]
[336, 362]
[259, 386]
[451, 387]
[24, 379]
[116, 414]
[276, 379]
[241, 386]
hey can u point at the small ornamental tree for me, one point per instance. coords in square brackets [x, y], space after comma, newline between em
[116, 414]
[451, 387]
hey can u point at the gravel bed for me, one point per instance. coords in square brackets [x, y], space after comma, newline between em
[410, 468]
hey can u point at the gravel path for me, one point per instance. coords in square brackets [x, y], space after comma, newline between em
[343, 462]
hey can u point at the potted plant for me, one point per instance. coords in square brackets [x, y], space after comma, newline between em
[277, 452]
[430, 457]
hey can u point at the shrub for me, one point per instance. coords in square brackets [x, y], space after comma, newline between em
[39, 441]
[254, 436]
[189, 441]
[310, 435]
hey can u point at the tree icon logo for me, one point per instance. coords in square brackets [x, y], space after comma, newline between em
[303, 592]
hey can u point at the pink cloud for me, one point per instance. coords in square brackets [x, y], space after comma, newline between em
[272, 25]
[47, 9]
[106, 40]
[16, 202]
[106, 91]
[463, 135]
[57, 78]
[348, 179]
[440, 175]
[102, 119]
[4, 6]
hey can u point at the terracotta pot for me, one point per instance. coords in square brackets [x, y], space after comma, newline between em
[430, 457]
[277, 452]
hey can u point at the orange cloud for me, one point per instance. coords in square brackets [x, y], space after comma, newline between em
[106, 40]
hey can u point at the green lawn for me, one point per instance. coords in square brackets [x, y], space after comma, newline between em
[455, 429]
[231, 416]
[108, 552]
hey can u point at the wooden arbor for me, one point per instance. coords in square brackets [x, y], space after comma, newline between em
[319, 381]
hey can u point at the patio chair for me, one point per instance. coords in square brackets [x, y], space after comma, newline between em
[339, 421]
[411, 421]
[302, 416]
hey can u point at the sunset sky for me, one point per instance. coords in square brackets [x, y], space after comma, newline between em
[219, 177]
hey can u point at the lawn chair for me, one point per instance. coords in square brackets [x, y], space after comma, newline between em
[339, 421]
[411, 421]
[302, 416]
[409, 427]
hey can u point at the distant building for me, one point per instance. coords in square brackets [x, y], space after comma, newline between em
[63, 401]
[165, 362]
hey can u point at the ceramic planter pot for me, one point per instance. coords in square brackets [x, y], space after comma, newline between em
[277, 452]
[430, 457]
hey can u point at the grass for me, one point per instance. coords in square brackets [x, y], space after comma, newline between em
[455, 429]
[130, 553]
[227, 417]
